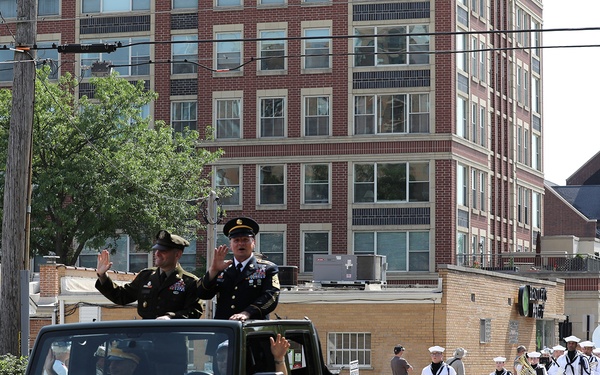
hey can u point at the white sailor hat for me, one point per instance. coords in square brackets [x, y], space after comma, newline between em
[534, 355]
[559, 347]
[587, 344]
[436, 349]
[500, 359]
[572, 339]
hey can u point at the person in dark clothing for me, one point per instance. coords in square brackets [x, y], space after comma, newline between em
[246, 287]
[163, 292]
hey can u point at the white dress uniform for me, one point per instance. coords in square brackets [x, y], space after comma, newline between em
[443, 370]
[579, 365]
[553, 369]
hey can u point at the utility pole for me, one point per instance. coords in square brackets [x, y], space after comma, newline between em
[16, 188]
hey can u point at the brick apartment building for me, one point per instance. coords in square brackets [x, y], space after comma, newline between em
[410, 129]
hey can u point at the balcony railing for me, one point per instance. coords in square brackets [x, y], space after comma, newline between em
[527, 262]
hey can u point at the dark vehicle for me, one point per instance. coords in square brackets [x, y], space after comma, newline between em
[175, 347]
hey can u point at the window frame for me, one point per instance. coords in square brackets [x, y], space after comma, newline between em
[234, 101]
[311, 229]
[180, 122]
[236, 185]
[410, 189]
[359, 347]
[280, 186]
[308, 59]
[305, 185]
[374, 45]
[189, 44]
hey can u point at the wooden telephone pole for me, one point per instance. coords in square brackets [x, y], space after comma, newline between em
[17, 184]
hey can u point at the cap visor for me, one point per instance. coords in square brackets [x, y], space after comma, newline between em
[160, 247]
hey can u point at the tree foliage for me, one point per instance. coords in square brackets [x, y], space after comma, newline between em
[11, 365]
[100, 168]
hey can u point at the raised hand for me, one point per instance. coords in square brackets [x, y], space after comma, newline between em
[219, 263]
[104, 263]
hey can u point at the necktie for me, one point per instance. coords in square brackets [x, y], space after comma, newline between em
[163, 277]
[239, 267]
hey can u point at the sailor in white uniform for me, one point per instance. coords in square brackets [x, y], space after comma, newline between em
[438, 366]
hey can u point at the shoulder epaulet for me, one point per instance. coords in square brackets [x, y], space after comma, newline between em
[264, 261]
[150, 269]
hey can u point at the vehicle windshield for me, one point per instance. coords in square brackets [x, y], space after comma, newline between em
[131, 351]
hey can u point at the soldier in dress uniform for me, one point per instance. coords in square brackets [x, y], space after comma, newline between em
[163, 292]
[500, 370]
[573, 362]
[246, 287]
[437, 365]
[557, 351]
[587, 347]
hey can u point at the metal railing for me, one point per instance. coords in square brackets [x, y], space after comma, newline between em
[527, 262]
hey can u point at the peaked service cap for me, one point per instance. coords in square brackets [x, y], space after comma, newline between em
[168, 241]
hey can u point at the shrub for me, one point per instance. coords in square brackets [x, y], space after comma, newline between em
[11, 365]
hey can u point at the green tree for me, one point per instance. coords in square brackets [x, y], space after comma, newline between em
[11, 365]
[100, 168]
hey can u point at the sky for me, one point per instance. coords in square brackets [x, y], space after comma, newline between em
[571, 99]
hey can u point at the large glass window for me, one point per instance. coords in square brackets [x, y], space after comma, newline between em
[391, 45]
[461, 117]
[385, 114]
[228, 118]
[229, 51]
[272, 52]
[184, 116]
[461, 185]
[184, 47]
[272, 184]
[317, 50]
[272, 117]
[271, 244]
[316, 115]
[130, 60]
[107, 6]
[314, 244]
[316, 183]
[228, 177]
[345, 347]
[391, 182]
[192, 4]
[45, 7]
[404, 251]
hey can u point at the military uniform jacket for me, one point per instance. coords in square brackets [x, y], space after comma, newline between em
[254, 290]
[578, 366]
[177, 297]
[443, 370]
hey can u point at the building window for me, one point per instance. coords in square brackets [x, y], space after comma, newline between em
[536, 208]
[125, 59]
[391, 182]
[272, 184]
[519, 84]
[461, 249]
[461, 57]
[316, 183]
[271, 2]
[228, 118]
[185, 47]
[385, 114]
[314, 243]
[228, 178]
[461, 185]
[474, 194]
[390, 45]
[526, 93]
[520, 144]
[316, 51]
[482, 62]
[520, 204]
[345, 347]
[474, 57]
[107, 6]
[536, 162]
[228, 3]
[535, 92]
[474, 122]
[180, 4]
[461, 117]
[526, 151]
[271, 244]
[482, 126]
[485, 331]
[482, 187]
[272, 117]
[404, 251]
[45, 7]
[316, 115]
[229, 51]
[125, 257]
[184, 116]
[50, 56]
[272, 52]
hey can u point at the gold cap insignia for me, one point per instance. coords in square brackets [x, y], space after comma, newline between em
[239, 221]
